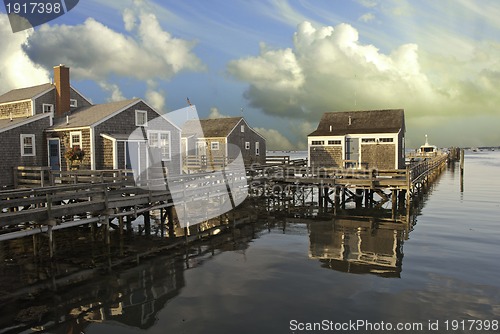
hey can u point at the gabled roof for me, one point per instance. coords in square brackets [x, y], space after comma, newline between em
[25, 93]
[88, 116]
[7, 124]
[212, 127]
[367, 121]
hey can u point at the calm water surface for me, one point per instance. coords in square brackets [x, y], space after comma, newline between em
[447, 269]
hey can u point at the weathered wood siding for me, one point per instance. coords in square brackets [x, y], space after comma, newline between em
[64, 137]
[238, 139]
[380, 156]
[326, 156]
[10, 150]
[107, 154]
[18, 109]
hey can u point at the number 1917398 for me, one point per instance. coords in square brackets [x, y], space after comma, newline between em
[34, 8]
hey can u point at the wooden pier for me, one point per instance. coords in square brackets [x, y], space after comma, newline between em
[103, 197]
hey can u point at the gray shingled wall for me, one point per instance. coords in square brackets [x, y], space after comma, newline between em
[10, 150]
[326, 156]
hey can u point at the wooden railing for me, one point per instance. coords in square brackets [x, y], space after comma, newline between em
[28, 177]
[203, 163]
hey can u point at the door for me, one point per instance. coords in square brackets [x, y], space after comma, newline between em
[351, 152]
[54, 149]
[132, 158]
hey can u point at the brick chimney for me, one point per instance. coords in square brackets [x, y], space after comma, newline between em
[61, 81]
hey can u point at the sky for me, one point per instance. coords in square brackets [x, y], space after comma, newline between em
[281, 64]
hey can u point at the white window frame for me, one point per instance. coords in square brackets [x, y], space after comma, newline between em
[51, 107]
[257, 148]
[141, 112]
[157, 143]
[75, 133]
[247, 145]
[214, 146]
[23, 147]
[73, 103]
[242, 128]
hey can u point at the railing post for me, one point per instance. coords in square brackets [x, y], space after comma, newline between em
[14, 175]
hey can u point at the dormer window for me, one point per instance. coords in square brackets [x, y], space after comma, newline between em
[242, 128]
[47, 107]
[141, 118]
[73, 103]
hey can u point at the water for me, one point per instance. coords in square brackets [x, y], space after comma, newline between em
[275, 280]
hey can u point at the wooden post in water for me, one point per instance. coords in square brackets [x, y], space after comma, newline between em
[394, 198]
[170, 217]
[147, 223]
[462, 170]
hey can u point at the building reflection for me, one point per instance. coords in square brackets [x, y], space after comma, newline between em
[132, 297]
[355, 246]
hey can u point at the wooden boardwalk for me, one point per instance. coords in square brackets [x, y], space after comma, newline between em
[89, 197]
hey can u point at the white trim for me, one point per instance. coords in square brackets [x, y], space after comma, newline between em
[143, 112]
[115, 154]
[75, 104]
[257, 148]
[47, 104]
[71, 134]
[26, 121]
[13, 102]
[92, 148]
[159, 133]
[217, 146]
[48, 151]
[247, 143]
[227, 149]
[33, 144]
[33, 107]
[114, 141]
[67, 129]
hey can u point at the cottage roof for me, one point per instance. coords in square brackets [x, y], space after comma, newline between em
[24, 93]
[212, 127]
[366, 121]
[88, 116]
[7, 124]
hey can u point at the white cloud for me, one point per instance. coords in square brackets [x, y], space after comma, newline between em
[113, 90]
[368, 17]
[275, 140]
[215, 113]
[156, 99]
[368, 3]
[144, 52]
[329, 69]
[148, 53]
[16, 69]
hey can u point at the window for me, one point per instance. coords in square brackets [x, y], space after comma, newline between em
[242, 128]
[141, 118]
[160, 140]
[368, 140]
[247, 145]
[47, 107]
[214, 145]
[27, 145]
[73, 103]
[386, 140]
[334, 142]
[257, 148]
[318, 142]
[75, 139]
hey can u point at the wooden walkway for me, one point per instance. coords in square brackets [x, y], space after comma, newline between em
[100, 196]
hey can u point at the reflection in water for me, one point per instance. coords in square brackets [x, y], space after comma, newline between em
[342, 246]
